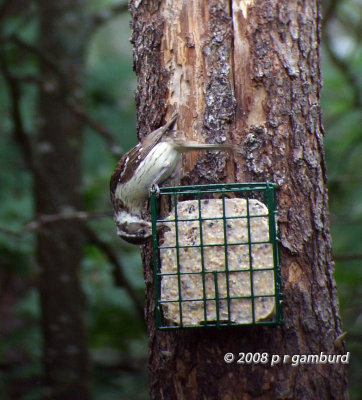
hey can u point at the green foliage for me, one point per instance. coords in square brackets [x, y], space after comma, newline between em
[112, 320]
[117, 339]
[342, 110]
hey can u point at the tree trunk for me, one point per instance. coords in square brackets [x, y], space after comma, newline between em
[57, 190]
[248, 71]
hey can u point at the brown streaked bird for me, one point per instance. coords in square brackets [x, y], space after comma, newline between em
[148, 164]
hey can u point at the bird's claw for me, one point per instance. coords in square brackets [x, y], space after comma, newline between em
[155, 189]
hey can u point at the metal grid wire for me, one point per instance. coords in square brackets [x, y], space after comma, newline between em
[265, 192]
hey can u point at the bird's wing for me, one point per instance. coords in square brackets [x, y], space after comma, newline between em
[129, 162]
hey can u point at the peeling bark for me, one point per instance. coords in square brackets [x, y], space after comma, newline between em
[246, 72]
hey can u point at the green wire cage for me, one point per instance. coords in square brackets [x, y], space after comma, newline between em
[215, 252]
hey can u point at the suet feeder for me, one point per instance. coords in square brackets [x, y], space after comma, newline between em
[215, 253]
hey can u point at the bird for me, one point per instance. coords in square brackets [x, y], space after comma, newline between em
[143, 168]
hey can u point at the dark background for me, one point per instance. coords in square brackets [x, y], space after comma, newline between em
[116, 338]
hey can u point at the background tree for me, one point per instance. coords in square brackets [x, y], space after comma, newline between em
[49, 40]
[58, 174]
[110, 272]
[250, 72]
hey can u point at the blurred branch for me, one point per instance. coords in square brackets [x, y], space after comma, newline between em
[103, 17]
[69, 103]
[96, 126]
[329, 12]
[22, 8]
[354, 337]
[45, 58]
[78, 112]
[344, 67]
[130, 366]
[19, 133]
[348, 256]
[343, 219]
[353, 27]
[50, 218]
[119, 277]
[341, 64]
[345, 179]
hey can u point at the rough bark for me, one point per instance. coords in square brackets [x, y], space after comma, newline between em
[248, 71]
[57, 190]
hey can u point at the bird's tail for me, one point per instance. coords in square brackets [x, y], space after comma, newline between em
[184, 145]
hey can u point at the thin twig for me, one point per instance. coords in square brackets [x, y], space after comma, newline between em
[51, 218]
